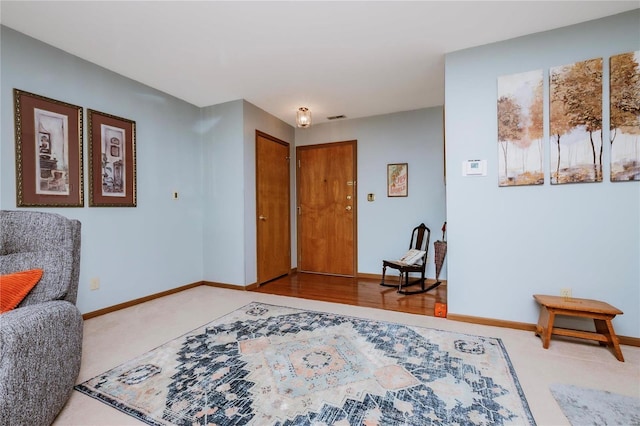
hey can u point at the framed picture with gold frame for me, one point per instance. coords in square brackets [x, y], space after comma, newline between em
[112, 160]
[397, 180]
[49, 165]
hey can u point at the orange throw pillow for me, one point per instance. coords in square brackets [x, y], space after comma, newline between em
[15, 287]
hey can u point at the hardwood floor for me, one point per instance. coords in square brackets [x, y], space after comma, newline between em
[355, 291]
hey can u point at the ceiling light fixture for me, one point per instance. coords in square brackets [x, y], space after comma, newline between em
[303, 117]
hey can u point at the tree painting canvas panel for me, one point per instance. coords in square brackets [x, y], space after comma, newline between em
[48, 152]
[112, 165]
[520, 118]
[575, 122]
[624, 101]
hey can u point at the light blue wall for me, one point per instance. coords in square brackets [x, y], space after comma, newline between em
[506, 244]
[133, 251]
[224, 186]
[384, 225]
[230, 188]
[208, 156]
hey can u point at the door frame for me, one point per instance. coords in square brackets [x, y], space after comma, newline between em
[354, 144]
[257, 212]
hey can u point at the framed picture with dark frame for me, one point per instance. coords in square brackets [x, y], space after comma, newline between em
[49, 165]
[397, 180]
[112, 160]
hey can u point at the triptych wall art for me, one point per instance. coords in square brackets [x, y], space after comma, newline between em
[49, 155]
[575, 123]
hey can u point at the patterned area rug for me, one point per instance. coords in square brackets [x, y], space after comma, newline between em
[584, 406]
[273, 365]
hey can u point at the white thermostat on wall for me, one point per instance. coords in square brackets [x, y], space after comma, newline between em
[474, 168]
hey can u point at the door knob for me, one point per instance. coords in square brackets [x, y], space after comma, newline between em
[262, 217]
[348, 208]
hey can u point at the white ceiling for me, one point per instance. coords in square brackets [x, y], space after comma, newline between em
[357, 58]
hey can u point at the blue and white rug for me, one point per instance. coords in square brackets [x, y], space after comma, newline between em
[583, 406]
[273, 365]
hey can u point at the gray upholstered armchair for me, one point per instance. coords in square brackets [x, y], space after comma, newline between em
[41, 339]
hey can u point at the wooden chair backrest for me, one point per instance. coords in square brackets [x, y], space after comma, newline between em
[420, 238]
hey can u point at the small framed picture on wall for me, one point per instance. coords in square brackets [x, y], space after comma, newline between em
[48, 152]
[112, 160]
[397, 180]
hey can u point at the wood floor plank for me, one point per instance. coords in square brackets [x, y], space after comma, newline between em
[365, 292]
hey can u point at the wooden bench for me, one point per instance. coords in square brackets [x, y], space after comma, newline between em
[602, 313]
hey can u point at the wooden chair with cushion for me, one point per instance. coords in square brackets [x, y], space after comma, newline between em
[420, 237]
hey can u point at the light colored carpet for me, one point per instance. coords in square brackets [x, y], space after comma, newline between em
[273, 365]
[584, 406]
[115, 338]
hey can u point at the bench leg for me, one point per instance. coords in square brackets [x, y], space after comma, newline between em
[605, 327]
[545, 325]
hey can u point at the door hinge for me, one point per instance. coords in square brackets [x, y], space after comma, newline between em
[299, 210]
[298, 163]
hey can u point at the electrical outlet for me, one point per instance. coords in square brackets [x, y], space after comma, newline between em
[566, 293]
[94, 284]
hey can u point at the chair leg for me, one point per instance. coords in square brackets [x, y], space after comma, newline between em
[384, 271]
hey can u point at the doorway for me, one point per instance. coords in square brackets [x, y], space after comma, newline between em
[327, 208]
[273, 220]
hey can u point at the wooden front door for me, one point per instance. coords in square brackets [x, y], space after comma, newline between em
[326, 183]
[272, 207]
